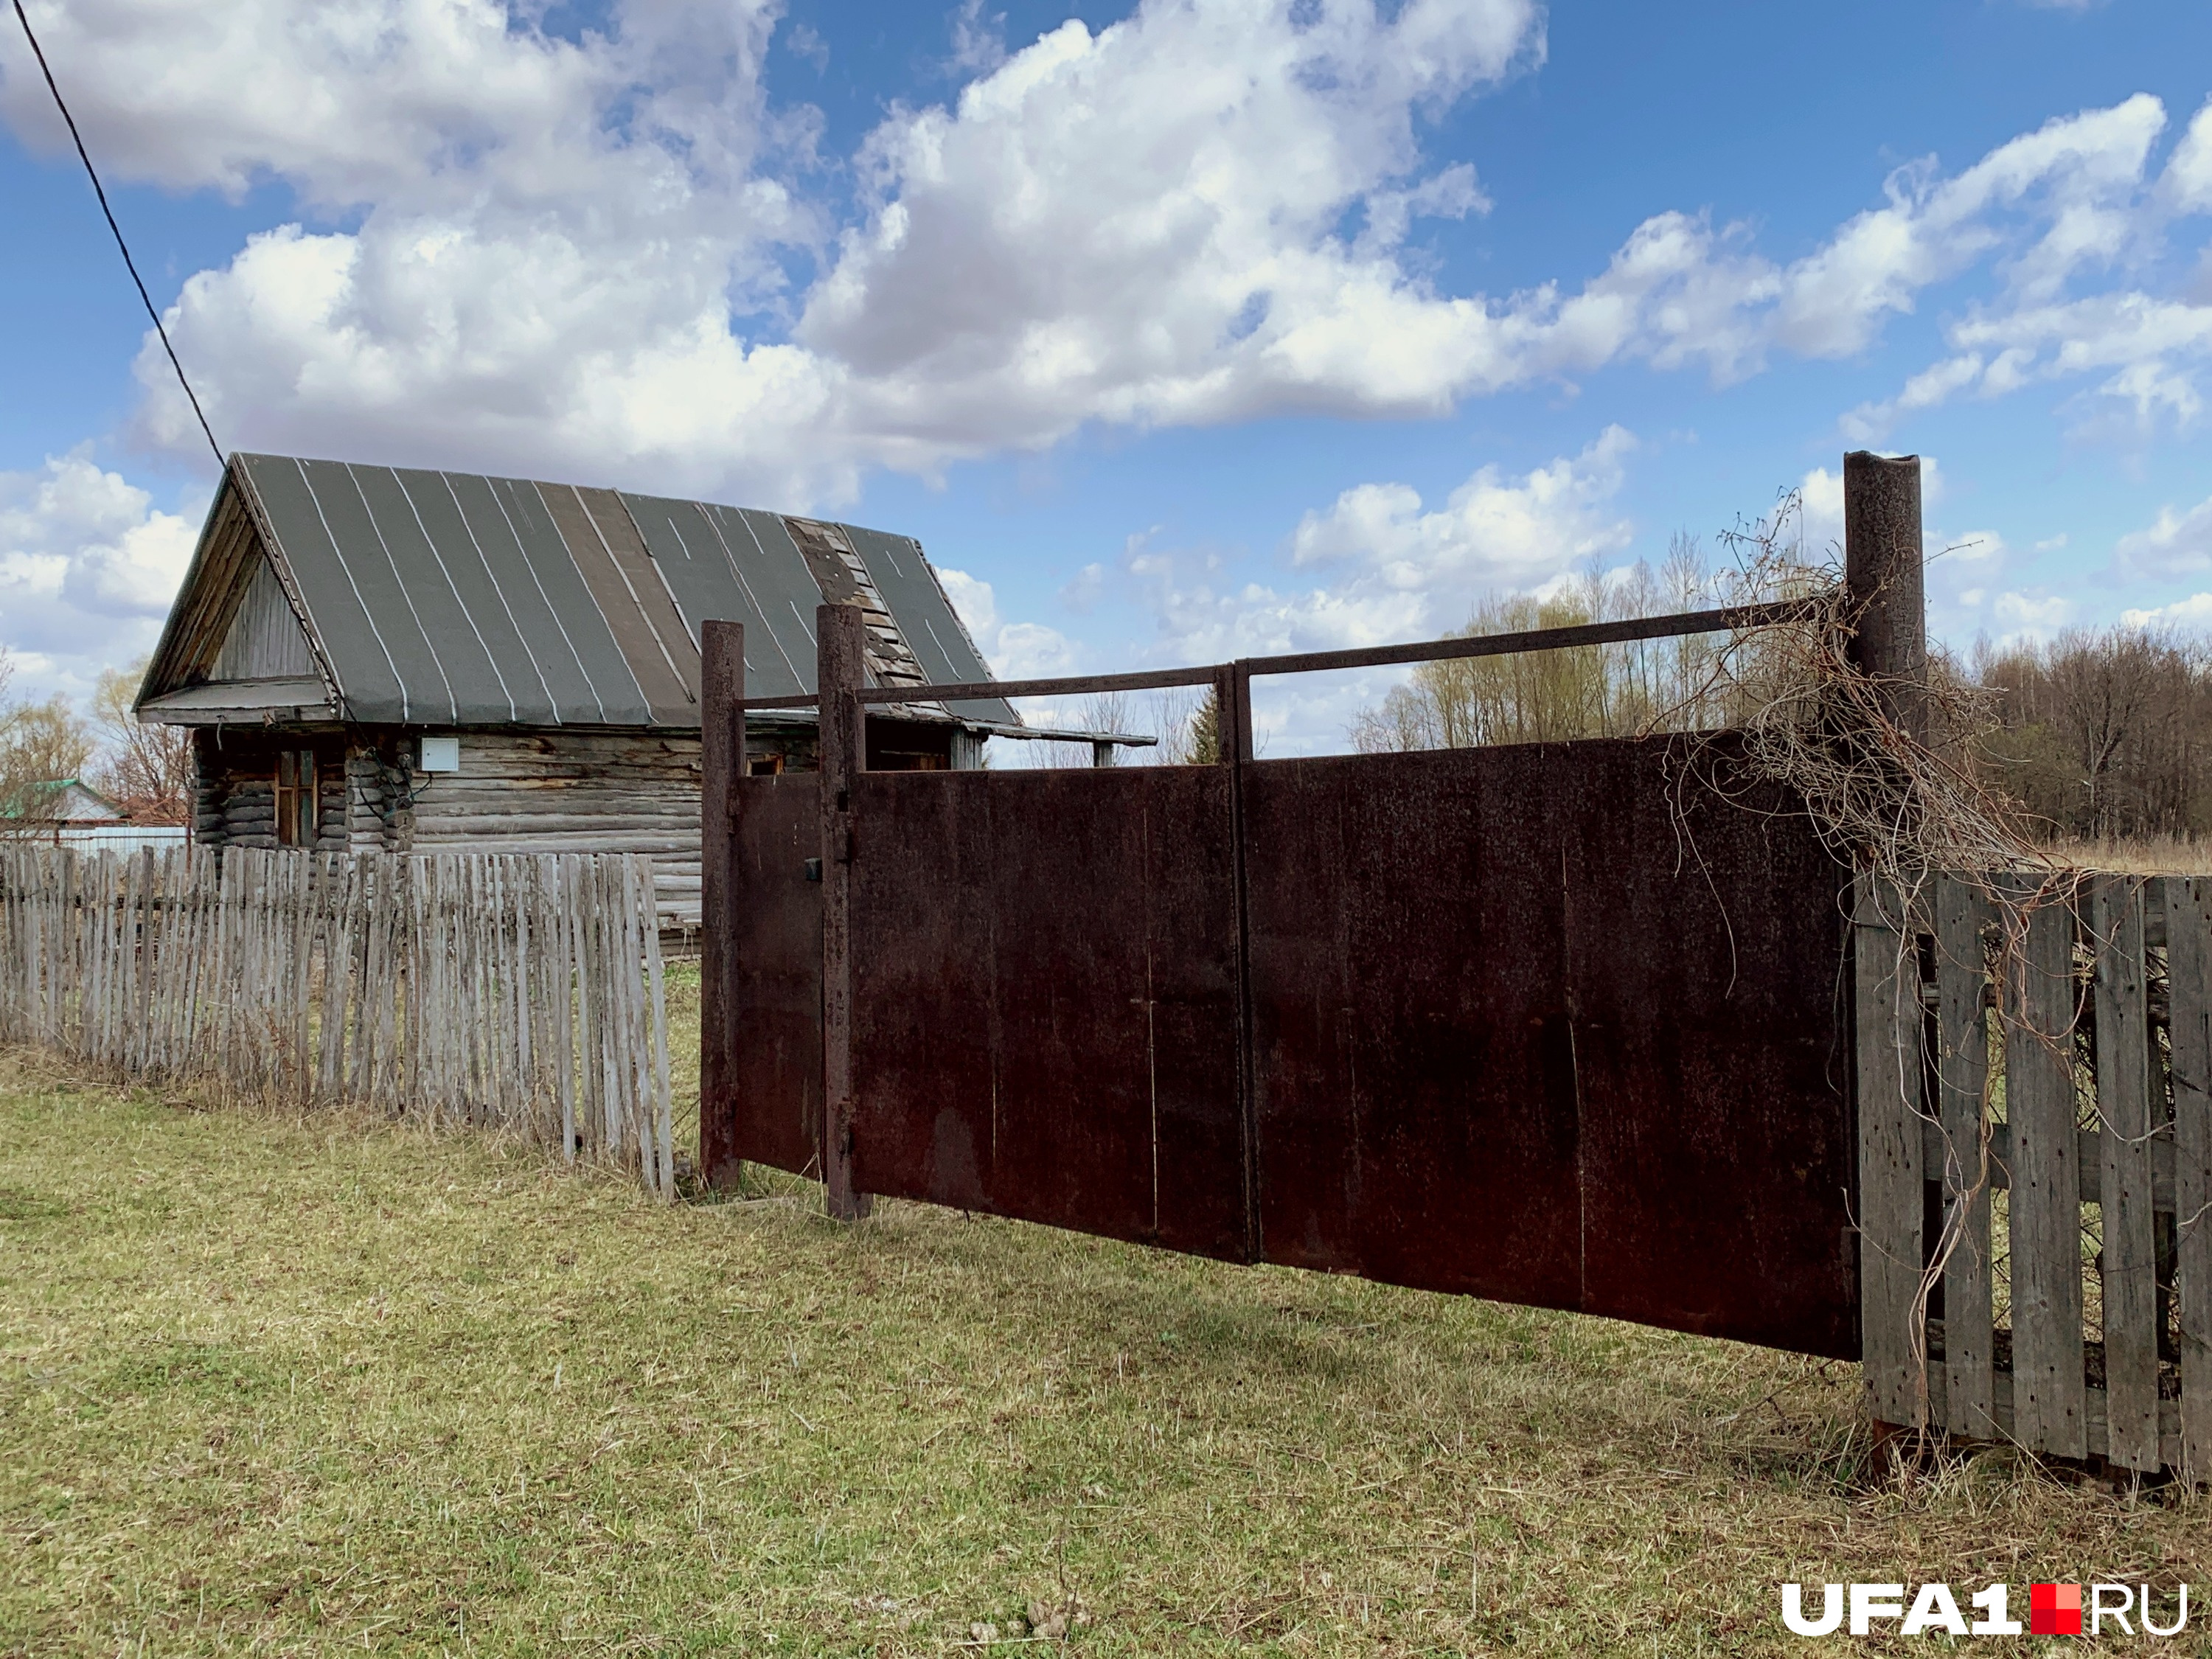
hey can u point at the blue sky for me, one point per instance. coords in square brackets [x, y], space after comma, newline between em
[1177, 331]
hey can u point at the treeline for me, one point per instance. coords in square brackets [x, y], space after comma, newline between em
[2103, 734]
[1693, 683]
[2100, 734]
[145, 769]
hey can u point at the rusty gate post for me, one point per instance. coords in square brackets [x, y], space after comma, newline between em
[721, 763]
[842, 727]
[1883, 582]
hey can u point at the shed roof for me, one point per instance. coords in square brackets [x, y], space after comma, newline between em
[67, 800]
[433, 598]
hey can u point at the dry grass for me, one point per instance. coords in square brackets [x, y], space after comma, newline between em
[2168, 855]
[299, 1387]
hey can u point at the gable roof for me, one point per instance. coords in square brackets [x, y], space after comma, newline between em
[390, 595]
[67, 800]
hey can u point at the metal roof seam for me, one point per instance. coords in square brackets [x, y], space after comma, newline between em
[694, 626]
[467, 615]
[513, 621]
[660, 576]
[629, 587]
[759, 609]
[452, 702]
[375, 633]
[554, 611]
[516, 578]
[958, 620]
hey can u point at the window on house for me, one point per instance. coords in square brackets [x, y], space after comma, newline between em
[295, 798]
[765, 766]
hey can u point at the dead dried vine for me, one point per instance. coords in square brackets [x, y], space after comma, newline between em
[1895, 807]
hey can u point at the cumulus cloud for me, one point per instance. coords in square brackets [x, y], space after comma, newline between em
[573, 255]
[2173, 545]
[2193, 613]
[2031, 616]
[1015, 650]
[2187, 183]
[1492, 532]
[1142, 225]
[610, 257]
[569, 254]
[546, 239]
[2095, 205]
[88, 567]
[1391, 567]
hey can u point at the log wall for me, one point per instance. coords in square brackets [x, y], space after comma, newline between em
[534, 792]
[572, 792]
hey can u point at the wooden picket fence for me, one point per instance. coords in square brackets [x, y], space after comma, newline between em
[477, 989]
[2035, 1163]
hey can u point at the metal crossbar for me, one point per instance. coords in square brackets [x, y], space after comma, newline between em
[1727, 618]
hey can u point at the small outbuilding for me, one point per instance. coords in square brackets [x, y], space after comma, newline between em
[382, 658]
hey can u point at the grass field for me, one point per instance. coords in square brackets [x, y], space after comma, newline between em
[268, 1385]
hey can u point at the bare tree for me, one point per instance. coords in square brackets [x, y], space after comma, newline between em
[2102, 733]
[146, 768]
[40, 744]
[1688, 683]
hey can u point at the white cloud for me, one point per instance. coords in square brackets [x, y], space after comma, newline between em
[88, 567]
[1392, 569]
[2031, 616]
[568, 253]
[1821, 497]
[2187, 183]
[1015, 650]
[586, 258]
[2173, 544]
[469, 102]
[1141, 225]
[2098, 207]
[570, 256]
[2193, 612]
[1492, 533]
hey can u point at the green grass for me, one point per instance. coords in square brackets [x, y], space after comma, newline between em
[285, 1386]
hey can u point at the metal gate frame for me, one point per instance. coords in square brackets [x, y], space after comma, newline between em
[1883, 574]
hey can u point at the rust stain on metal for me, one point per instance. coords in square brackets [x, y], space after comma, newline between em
[1548, 1023]
[773, 971]
[1010, 931]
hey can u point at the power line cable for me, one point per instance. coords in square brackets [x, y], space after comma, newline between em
[129, 264]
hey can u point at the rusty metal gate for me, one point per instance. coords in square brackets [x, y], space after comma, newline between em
[1562, 1024]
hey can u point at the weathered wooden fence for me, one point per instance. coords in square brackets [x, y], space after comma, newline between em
[2035, 1163]
[490, 989]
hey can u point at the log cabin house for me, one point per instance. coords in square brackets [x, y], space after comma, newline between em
[376, 658]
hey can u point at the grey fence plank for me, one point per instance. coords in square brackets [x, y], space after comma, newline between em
[2189, 958]
[1962, 1066]
[1891, 1305]
[2130, 1252]
[2048, 1378]
[249, 977]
